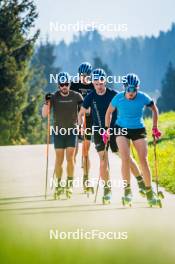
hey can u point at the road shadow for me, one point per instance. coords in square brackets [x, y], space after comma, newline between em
[20, 197]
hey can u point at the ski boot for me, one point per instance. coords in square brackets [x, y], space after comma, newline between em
[127, 198]
[141, 185]
[107, 195]
[88, 188]
[69, 191]
[58, 192]
[69, 187]
[153, 199]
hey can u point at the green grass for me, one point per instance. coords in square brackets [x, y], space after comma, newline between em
[25, 246]
[165, 150]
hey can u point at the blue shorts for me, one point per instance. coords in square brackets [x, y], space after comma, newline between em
[65, 141]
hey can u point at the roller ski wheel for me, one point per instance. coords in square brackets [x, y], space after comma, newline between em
[155, 202]
[127, 200]
[69, 192]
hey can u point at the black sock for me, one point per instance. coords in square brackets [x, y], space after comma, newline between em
[127, 189]
[140, 181]
[139, 178]
[69, 181]
[107, 189]
[149, 192]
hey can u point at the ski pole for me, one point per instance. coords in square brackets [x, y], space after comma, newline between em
[159, 193]
[47, 149]
[85, 155]
[97, 189]
[155, 163]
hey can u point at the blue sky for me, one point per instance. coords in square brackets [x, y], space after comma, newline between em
[139, 17]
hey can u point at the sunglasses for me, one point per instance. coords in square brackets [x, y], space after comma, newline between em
[131, 89]
[64, 84]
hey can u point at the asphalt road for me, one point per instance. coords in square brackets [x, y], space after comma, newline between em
[22, 182]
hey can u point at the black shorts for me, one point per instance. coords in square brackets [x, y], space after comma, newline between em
[89, 126]
[134, 134]
[65, 141]
[100, 146]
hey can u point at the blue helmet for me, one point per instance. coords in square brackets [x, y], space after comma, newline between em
[98, 74]
[63, 77]
[85, 68]
[132, 80]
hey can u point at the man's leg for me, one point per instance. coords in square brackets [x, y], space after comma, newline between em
[133, 166]
[86, 161]
[76, 150]
[104, 170]
[85, 151]
[70, 152]
[58, 172]
[138, 175]
[124, 150]
[104, 173]
[59, 163]
[142, 150]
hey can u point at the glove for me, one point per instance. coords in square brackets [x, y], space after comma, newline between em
[105, 137]
[156, 133]
[48, 96]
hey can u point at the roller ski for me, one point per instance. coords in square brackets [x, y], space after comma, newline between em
[69, 192]
[155, 202]
[58, 192]
[153, 199]
[88, 189]
[107, 196]
[127, 198]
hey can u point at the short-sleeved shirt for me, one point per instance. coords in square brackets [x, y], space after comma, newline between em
[99, 105]
[65, 109]
[130, 112]
[82, 88]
